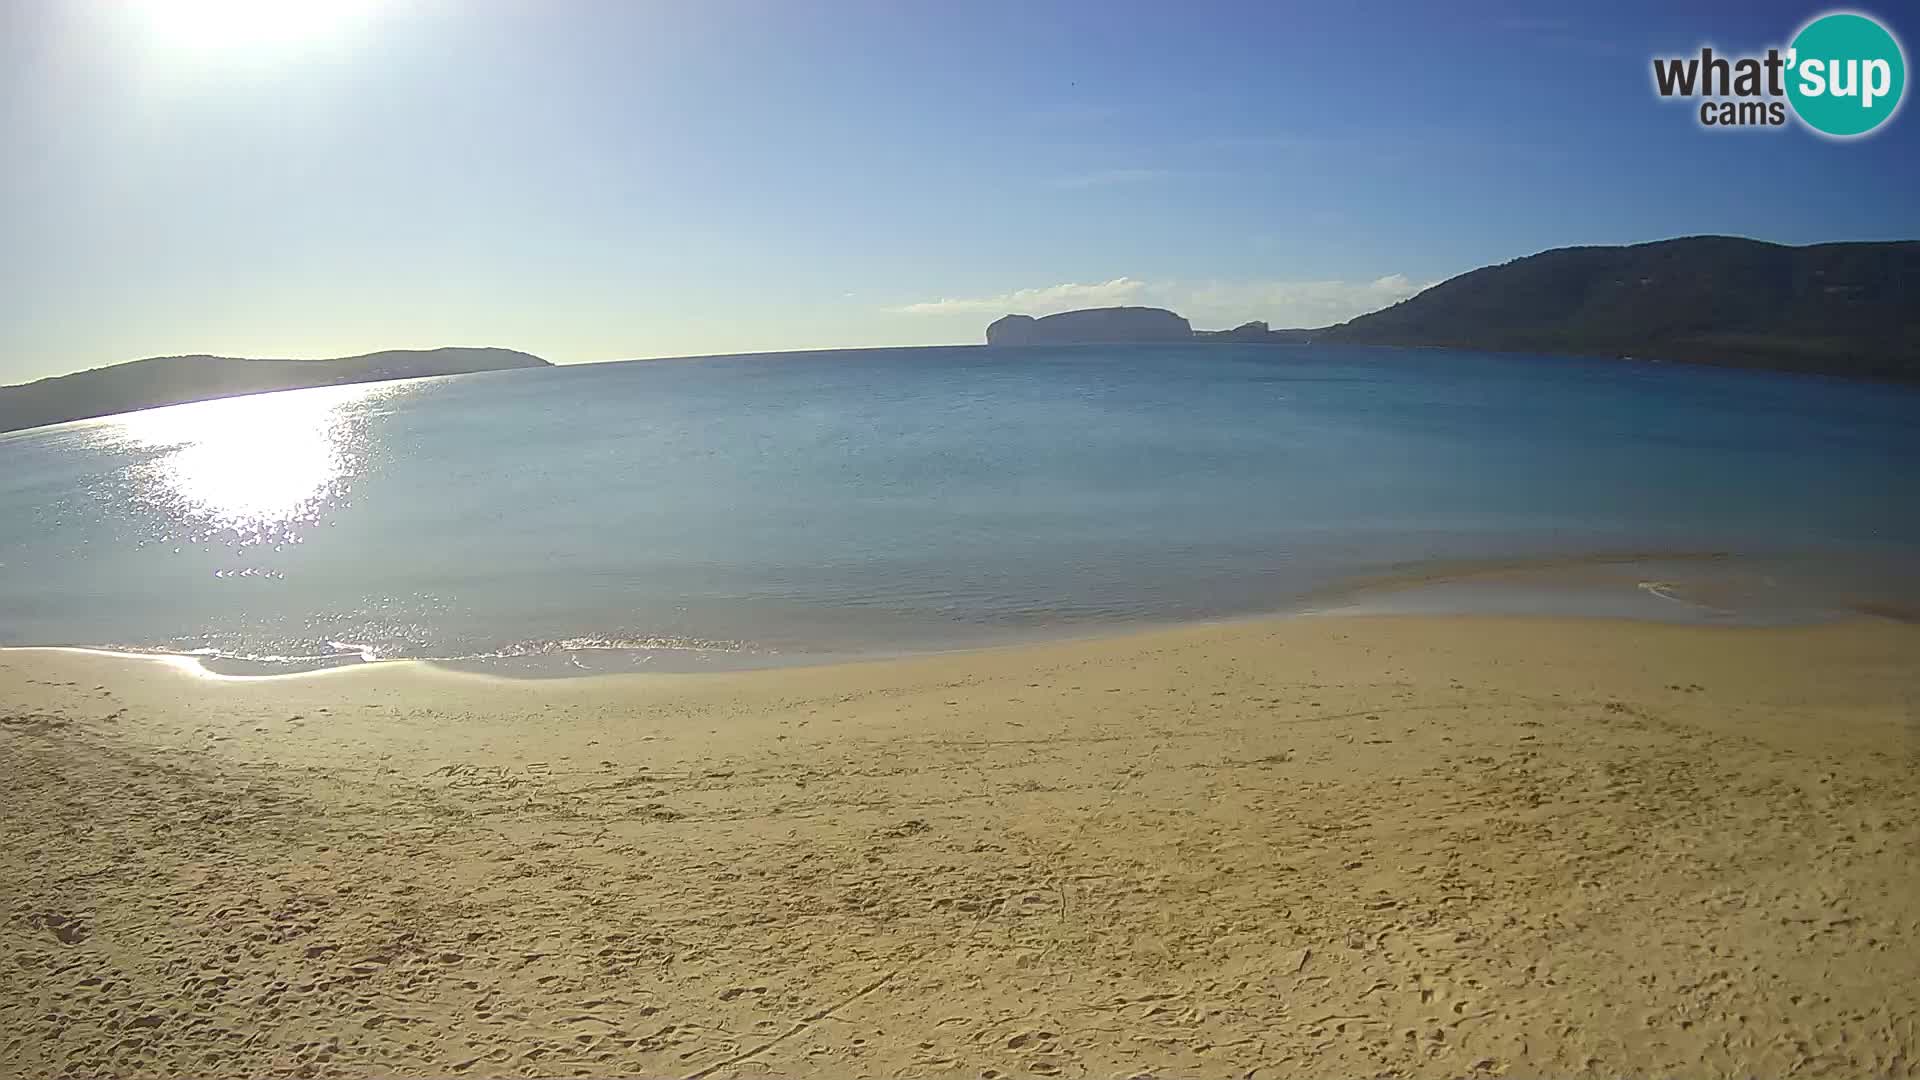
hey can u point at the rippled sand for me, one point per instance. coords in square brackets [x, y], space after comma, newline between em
[1328, 846]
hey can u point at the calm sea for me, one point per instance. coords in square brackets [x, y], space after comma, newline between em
[785, 507]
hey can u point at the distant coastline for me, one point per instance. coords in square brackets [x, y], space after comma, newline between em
[177, 380]
[1848, 309]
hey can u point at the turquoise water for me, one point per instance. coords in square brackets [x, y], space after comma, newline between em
[741, 509]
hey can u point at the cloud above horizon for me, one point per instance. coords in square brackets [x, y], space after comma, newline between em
[1207, 304]
[1041, 301]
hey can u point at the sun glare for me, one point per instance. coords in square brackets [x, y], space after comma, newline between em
[251, 465]
[227, 24]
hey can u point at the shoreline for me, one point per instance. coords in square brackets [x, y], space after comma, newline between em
[202, 666]
[1344, 845]
[1675, 587]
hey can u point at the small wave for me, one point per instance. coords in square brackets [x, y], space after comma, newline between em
[241, 662]
[1423, 573]
[618, 644]
[1664, 590]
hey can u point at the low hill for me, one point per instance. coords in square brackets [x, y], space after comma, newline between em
[174, 380]
[1842, 309]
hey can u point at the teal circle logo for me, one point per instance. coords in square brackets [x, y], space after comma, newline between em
[1846, 74]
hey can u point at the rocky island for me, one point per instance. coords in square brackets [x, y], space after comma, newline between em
[176, 380]
[1090, 326]
[1116, 325]
[1258, 333]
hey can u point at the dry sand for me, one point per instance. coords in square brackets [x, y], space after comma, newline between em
[1316, 847]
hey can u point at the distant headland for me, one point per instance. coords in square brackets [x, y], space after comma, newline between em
[1839, 309]
[1123, 324]
[176, 380]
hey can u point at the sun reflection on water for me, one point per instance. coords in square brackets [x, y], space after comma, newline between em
[252, 468]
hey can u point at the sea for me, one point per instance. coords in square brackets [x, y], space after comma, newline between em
[770, 509]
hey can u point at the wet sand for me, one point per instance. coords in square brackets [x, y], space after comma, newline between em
[1317, 846]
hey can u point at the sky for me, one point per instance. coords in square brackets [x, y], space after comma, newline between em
[607, 179]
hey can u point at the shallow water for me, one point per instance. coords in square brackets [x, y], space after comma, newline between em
[745, 510]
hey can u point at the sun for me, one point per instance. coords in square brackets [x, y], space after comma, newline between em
[228, 24]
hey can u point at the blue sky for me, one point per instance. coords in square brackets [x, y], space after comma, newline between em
[602, 180]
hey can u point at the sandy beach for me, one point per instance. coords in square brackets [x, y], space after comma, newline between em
[1318, 846]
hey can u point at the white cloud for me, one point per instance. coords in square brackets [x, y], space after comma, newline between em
[1288, 303]
[1041, 301]
[1209, 305]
